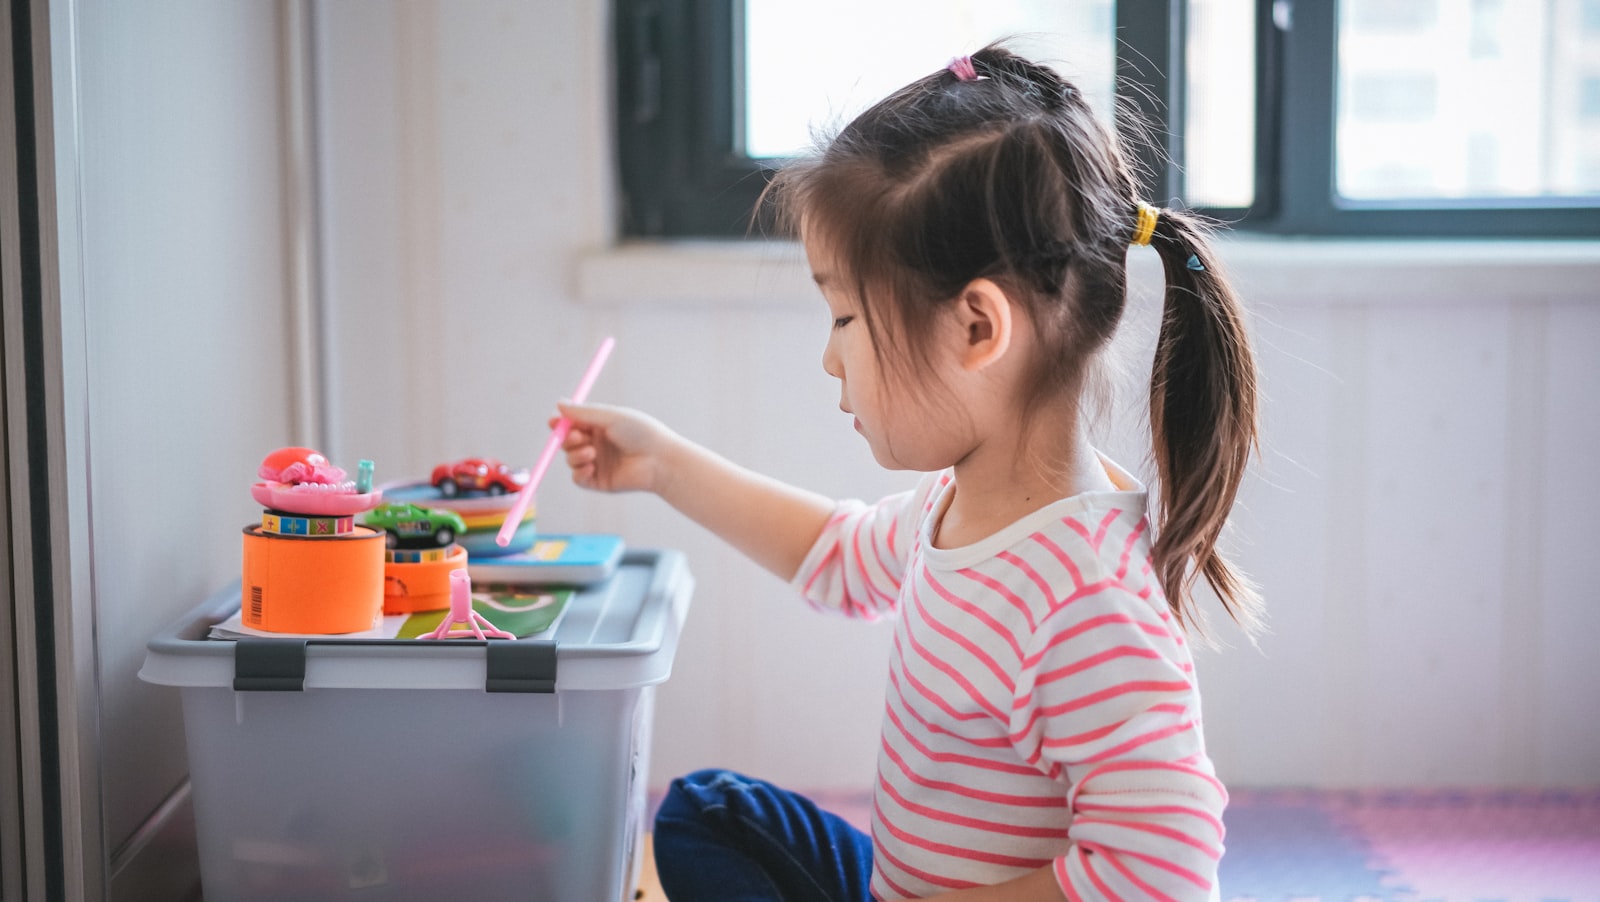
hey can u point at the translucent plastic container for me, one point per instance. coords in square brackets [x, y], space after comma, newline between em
[428, 771]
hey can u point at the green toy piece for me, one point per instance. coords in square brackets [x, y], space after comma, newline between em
[415, 526]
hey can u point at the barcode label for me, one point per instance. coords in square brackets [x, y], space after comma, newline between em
[255, 606]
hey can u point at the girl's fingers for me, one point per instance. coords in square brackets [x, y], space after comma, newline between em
[580, 413]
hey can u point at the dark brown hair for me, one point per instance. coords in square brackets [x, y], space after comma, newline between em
[1010, 177]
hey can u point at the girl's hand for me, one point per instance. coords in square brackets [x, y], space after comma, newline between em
[614, 449]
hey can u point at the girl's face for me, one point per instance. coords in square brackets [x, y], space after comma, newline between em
[905, 428]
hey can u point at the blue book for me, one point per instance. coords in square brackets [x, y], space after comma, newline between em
[571, 560]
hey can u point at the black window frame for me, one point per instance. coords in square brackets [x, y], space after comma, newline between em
[678, 95]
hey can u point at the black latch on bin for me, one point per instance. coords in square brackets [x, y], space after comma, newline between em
[269, 665]
[526, 665]
[279, 665]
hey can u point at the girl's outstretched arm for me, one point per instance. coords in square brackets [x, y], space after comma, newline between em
[614, 449]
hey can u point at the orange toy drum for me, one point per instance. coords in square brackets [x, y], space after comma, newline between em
[313, 584]
[423, 584]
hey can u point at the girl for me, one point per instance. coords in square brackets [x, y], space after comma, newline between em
[1041, 732]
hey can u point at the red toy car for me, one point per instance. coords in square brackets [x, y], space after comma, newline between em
[477, 474]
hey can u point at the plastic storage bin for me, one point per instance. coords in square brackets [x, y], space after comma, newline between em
[428, 771]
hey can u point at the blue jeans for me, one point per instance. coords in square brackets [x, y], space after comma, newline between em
[723, 837]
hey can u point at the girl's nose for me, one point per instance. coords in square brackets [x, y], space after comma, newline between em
[830, 361]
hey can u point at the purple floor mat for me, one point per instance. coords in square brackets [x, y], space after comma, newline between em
[1413, 846]
[1283, 848]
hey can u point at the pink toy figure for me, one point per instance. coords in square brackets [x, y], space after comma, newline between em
[462, 615]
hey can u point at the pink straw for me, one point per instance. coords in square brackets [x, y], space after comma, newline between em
[557, 436]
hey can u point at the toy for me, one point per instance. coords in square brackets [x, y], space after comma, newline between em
[418, 579]
[414, 526]
[311, 583]
[462, 615]
[482, 513]
[307, 567]
[296, 466]
[299, 480]
[295, 525]
[477, 474]
[557, 435]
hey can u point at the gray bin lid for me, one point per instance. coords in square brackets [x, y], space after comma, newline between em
[618, 634]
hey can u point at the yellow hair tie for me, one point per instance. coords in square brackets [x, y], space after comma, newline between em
[1147, 224]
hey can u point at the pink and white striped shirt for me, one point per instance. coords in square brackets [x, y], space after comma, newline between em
[1042, 706]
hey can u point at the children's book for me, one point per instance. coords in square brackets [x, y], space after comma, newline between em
[523, 611]
[573, 560]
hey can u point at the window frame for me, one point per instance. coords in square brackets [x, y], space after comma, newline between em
[679, 90]
[675, 120]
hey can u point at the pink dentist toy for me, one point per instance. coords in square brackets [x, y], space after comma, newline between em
[302, 481]
[557, 436]
[462, 621]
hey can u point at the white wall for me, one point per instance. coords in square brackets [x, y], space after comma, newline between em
[180, 235]
[1418, 528]
[1417, 523]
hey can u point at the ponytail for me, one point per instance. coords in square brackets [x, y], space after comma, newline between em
[1202, 421]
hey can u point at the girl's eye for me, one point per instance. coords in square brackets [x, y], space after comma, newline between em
[842, 321]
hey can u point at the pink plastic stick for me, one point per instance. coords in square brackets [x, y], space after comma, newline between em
[557, 436]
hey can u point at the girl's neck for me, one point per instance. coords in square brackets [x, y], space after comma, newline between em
[1006, 478]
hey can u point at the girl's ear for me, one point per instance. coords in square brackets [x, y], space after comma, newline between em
[984, 313]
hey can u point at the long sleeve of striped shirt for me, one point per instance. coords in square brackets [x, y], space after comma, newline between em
[1042, 708]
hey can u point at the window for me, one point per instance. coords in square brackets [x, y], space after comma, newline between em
[802, 71]
[1219, 124]
[1356, 117]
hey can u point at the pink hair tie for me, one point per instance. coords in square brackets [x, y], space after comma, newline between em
[962, 67]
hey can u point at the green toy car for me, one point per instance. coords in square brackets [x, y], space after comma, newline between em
[414, 526]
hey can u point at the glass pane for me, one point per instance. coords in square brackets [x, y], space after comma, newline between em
[1445, 99]
[810, 67]
[1219, 142]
